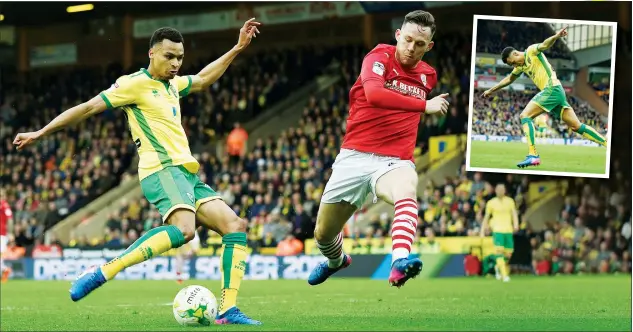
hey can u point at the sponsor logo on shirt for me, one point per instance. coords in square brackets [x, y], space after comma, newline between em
[406, 89]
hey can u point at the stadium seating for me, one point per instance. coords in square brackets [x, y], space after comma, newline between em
[494, 36]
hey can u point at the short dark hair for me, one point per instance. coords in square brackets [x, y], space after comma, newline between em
[421, 18]
[166, 33]
[506, 53]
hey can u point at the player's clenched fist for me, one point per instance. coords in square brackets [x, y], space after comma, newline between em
[562, 32]
[23, 140]
[439, 104]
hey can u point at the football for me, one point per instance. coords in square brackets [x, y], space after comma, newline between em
[195, 305]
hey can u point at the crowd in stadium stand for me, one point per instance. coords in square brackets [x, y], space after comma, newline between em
[499, 115]
[494, 36]
[592, 234]
[68, 169]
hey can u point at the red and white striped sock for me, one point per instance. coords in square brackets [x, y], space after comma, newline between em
[333, 251]
[403, 228]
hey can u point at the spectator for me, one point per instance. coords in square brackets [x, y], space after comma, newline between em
[236, 142]
[290, 246]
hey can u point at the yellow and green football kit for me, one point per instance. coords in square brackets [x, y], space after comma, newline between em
[501, 210]
[167, 172]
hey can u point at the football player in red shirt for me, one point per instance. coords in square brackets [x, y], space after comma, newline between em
[376, 156]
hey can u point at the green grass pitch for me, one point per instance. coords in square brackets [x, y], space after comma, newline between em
[554, 158]
[563, 303]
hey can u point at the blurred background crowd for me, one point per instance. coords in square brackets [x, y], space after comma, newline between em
[277, 183]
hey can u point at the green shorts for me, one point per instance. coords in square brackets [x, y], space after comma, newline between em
[504, 240]
[176, 188]
[552, 100]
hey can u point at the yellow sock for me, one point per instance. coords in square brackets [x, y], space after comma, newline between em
[232, 268]
[501, 262]
[155, 242]
[592, 135]
[528, 130]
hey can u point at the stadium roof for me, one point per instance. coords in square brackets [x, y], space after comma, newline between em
[46, 13]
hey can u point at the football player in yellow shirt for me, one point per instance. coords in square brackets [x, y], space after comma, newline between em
[501, 216]
[550, 99]
[167, 170]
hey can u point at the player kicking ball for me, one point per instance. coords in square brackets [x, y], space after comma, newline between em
[167, 170]
[550, 99]
[376, 156]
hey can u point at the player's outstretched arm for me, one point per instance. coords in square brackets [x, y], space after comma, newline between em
[213, 71]
[504, 82]
[70, 117]
[549, 42]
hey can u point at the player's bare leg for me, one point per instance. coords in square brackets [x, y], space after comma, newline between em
[531, 111]
[398, 187]
[328, 235]
[570, 118]
[178, 229]
[219, 217]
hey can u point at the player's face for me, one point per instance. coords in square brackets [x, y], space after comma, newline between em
[516, 59]
[167, 58]
[500, 190]
[413, 41]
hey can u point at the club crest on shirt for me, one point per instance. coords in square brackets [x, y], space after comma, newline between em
[423, 78]
[378, 68]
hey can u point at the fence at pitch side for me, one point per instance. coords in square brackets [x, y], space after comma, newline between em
[258, 267]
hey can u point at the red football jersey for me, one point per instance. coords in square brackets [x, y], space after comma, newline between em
[5, 215]
[389, 131]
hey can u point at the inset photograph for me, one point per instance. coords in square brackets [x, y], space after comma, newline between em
[541, 96]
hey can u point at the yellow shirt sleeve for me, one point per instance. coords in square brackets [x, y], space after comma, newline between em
[489, 207]
[533, 50]
[513, 207]
[184, 85]
[512, 204]
[121, 93]
[517, 71]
